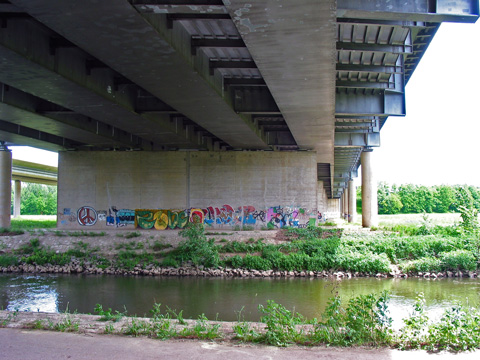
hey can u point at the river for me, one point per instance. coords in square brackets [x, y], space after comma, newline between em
[223, 298]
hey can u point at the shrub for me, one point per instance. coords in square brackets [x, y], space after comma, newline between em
[256, 262]
[196, 247]
[8, 260]
[458, 260]
[425, 264]
[363, 262]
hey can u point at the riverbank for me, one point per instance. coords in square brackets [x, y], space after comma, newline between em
[315, 252]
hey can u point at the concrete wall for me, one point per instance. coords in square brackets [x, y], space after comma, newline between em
[163, 190]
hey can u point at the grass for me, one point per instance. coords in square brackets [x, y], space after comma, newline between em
[27, 224]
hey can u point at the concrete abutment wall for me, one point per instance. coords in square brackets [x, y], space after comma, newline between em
[162, 190]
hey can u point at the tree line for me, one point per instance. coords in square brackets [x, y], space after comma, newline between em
[414, 199]
[37, 199]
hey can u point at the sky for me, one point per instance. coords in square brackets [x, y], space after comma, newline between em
[438, 142]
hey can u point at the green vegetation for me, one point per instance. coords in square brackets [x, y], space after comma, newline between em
[108, 315]
[415, 199]
[363, 321]
[37, 199]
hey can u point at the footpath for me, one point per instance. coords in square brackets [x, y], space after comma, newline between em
[22, 344]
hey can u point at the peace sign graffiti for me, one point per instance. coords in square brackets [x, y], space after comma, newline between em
[86, 216]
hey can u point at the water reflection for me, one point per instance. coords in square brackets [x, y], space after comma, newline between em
[221, 297]
[29, 293]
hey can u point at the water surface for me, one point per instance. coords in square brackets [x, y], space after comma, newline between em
[222, 298]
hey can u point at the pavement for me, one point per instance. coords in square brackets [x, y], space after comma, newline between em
[39, 345]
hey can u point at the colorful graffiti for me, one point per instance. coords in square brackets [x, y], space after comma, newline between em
[275, 217]
[119, 218]
[161, 219]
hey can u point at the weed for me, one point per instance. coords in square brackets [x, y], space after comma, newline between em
[87, 234]
[133, 235]
[8, 260]
[137, 327]
[202, 329]
[66, 324]
[109, 329]
[178, 316]
[281, 324]
[108, 315]
[243, 330]
[59, 233]
[159, 246]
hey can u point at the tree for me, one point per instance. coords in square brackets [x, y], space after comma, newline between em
[38, 199]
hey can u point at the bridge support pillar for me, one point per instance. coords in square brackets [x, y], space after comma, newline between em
[5, 185]
[369, 191]
[345, 204]
[352, 202]
[17, 197]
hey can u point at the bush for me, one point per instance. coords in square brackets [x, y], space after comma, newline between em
[196, 248]
[363, 262]
[8, 260]
[256, 262]
[458, 260]
[426, 264]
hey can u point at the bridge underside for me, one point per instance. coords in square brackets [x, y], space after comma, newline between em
[213, 75]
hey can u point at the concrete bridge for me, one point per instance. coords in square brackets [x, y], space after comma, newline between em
[233, 113]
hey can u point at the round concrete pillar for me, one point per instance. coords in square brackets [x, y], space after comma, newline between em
[369, 192]
[345, 204]
[352, 202]
[5, 186]
[17, 196]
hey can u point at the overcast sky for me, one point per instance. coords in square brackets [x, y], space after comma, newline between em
[438, 142]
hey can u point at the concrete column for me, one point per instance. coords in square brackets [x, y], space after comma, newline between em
[18, 196]
[369, 192]
[352, 202]
[345, 204]
[5, 185]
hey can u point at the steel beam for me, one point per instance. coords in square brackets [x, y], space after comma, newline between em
[414, 10]
[383, 103]
[357, 139]
[380, 48]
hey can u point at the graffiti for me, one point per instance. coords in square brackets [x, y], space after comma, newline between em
[125, 216]
[67, 211]
[161, 219]
[102, 215]
[119, 218]
[87, 216]
[275, 217]
[197, 216]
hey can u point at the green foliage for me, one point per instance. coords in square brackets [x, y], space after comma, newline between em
[8, 260]
[169, 261]
[365, 321]
[457, 330]
[128, 259]
[133, 234]
[196, 248]
[458, 260]
[38, 199]
[24, 224]
[281, 324]
[367, 262]
[108, 315]
[159, 246]
[202, 329]
[415, 199]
